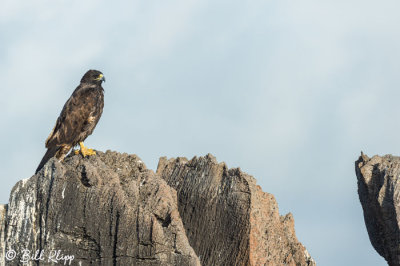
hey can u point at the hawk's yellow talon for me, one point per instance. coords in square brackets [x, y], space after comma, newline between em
[85, 151]
[89, 152]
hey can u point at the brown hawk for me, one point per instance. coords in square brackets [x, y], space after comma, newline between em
[77, 119]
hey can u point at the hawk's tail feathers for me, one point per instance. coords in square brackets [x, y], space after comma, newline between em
[47, 156]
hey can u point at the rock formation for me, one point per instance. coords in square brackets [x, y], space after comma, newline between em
[227, 217]
[379, 193]
[109, 209]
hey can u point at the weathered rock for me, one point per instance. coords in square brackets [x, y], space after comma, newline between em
[107, 209]
[379, 193]
[3, 212]
[227, 217]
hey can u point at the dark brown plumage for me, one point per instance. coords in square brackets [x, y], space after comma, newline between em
[77, 119]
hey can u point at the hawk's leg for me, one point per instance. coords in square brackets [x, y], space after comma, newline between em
[85, 151]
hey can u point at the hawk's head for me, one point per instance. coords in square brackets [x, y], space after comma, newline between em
[93, 76]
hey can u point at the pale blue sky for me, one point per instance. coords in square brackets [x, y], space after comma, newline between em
[290, 91]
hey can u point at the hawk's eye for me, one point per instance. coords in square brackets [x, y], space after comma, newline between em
[98, 77]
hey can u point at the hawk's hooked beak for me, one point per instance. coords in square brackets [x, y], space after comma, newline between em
[101, 77]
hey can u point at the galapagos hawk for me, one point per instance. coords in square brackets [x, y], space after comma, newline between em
[77, 119]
